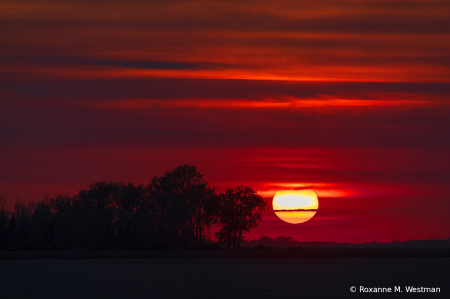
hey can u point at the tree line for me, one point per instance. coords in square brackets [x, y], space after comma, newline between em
[266, 242]
[174, 210]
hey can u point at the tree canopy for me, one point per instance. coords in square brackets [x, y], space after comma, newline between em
[239, 210]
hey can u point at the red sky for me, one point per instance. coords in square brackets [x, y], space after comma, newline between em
[348, 97]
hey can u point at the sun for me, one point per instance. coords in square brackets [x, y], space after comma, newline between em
[295, 206]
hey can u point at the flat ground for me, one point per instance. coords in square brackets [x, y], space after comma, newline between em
[305, 277]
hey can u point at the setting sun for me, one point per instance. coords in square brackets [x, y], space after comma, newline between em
[295, 206]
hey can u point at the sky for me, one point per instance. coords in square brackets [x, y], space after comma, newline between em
[348, 98]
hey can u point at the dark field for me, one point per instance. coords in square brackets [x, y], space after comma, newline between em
[191, 277]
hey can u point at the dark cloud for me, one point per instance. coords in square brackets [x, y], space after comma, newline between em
[290, 39]
[159, 88]
[85, 62]
[420, 127]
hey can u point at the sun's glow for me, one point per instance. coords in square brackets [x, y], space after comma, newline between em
[295, 206]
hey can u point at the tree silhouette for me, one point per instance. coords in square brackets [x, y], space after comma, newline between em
[178, 200]
[4, 219]
[99, 202]
[73, 223]
[239, 210]
[132, 217]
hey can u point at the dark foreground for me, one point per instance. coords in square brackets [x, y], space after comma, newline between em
[266, 252]
[307, 277]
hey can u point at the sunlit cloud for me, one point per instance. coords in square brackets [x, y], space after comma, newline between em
[328, 41]
[261, 104]
[320, 193]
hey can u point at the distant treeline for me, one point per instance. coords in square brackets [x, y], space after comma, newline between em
[173, 211]
[283, 241]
